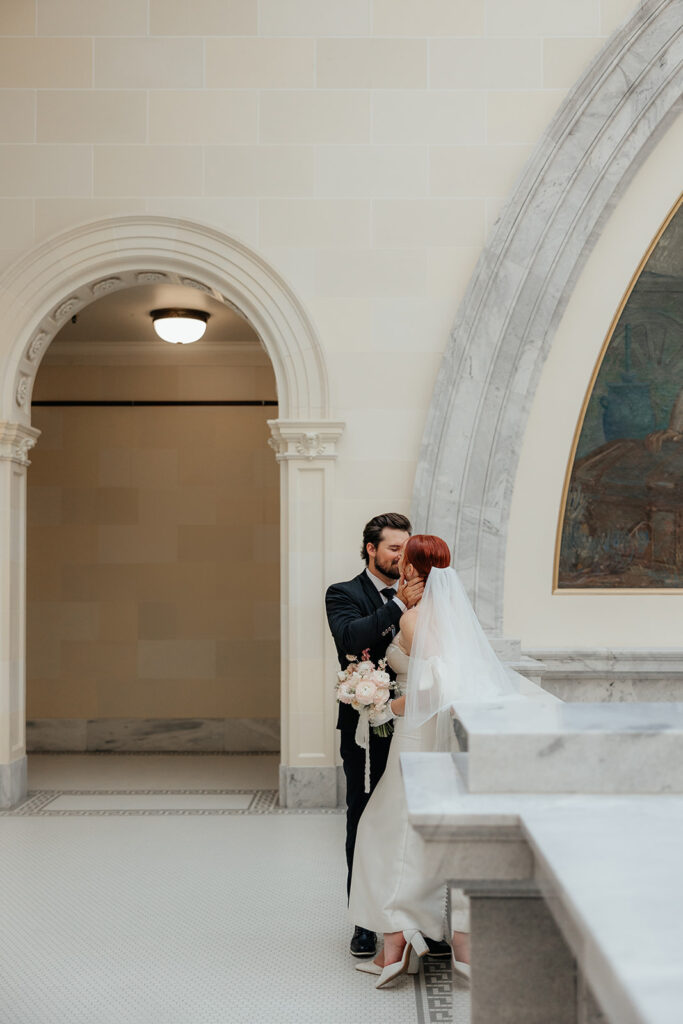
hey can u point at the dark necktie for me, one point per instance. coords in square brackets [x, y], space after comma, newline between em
[388, 592]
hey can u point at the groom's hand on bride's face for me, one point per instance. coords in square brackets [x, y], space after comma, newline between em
[410, 591]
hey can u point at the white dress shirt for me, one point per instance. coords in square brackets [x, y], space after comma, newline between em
[381, 585]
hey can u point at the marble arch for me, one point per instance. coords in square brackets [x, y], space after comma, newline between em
[53, 282]
[602, 132]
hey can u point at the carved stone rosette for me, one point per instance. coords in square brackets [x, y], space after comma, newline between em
[16, 441]
[304, 440]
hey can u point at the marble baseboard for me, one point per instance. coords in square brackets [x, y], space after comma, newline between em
[13, 782]
[309, 786]
[617, 675]
[222, 735]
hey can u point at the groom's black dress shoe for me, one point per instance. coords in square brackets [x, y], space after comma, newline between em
[363, 943]
[437, 947]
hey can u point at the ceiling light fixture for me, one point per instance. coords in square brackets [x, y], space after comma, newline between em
[179, 326]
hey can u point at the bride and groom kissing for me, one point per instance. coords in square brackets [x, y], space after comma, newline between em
[394, 883]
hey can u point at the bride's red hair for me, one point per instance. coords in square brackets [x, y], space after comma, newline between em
[424, 551]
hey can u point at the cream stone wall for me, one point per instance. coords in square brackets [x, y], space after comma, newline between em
[533, 612]
[153, 543]
[362, 147]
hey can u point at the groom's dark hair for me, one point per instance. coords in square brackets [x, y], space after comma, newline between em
[372, 534]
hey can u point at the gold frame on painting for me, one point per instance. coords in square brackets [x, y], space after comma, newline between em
[579, 427]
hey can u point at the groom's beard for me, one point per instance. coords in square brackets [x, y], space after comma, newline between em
[389, 569]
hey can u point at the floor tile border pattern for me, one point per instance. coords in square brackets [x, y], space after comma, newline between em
[265, 801]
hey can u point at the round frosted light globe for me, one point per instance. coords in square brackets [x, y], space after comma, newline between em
[178, 327]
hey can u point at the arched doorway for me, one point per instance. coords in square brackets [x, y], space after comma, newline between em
[52, 284]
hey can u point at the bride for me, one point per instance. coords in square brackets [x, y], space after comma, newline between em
[440, 655]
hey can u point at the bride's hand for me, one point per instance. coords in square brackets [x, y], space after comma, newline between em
[398, 706]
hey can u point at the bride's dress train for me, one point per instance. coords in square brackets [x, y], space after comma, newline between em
[398, 879]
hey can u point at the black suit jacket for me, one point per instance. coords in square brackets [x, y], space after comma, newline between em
[359, 619]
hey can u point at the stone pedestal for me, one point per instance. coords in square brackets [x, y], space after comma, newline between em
[523, 971]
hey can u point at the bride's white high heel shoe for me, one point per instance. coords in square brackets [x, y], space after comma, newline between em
[461, 968]
[409, 963]
[369, 967]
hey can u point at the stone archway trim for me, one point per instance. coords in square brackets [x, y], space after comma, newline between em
[525, 275]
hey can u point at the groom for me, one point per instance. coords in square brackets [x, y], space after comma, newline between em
[364, 613]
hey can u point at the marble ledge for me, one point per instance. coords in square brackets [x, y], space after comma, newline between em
[522, 746]
[222, 735]
[309, 786]
[13, 782]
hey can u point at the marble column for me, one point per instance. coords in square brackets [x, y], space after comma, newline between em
[523, 972]
[306, 452]
[16, 441]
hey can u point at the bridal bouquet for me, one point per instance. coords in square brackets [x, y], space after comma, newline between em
[368, 690]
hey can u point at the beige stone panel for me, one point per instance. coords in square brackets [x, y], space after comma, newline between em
[17, 18]
[98, 661]
[216, 117]
[45, 170]
[17, 115]
[69, 383]
[91, 18]
[369, 273]
[519, 117]
[259, 170]
[428, 18]
[485, 63]
[54, 470]
[145, 383]
[203, 17]
[371, 64]
[540, 18]
[189, 507]
[448, 273]
[430, 117]
[93, 116]
[16, 217]
[266, 543]
[475, 171]
[147, 170]
[156, 583]
[197, 466]
[161, 698]
[428, 222]
[313, 18]
[315, 116]
[43, 658]
[160, 427]
[54, 215]
[45, 63]
[66, 620]
[207, 543]
[260, 63]
[157, 620]
[93, 582]
[137, 545]
[176, 658]
[154, 467]
[237, 508]
[237, 217]
[118, 622]
[65, 543]
[114, 467]
[86, 428]
[149, 63]
[565, 60]
[220, 620]
[250, 675]
[266, 387]
[102, 505]
[63, 698]
[614, 13]
[44, 506]
[408, 325]
[266, 620]
[44, 581]
[371, 170]
[327, 223]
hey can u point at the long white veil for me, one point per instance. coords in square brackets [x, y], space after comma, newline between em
[451, 658]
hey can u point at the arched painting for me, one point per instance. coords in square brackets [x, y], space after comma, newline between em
[622, 524]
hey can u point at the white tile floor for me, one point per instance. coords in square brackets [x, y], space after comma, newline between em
[172, 919]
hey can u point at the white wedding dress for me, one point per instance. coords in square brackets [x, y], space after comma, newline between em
[397, 881]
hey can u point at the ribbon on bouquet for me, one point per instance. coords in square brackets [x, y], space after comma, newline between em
[363, 740]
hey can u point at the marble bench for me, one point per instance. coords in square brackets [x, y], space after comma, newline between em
[564, 824]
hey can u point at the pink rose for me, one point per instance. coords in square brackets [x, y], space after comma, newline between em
[344, 694]
[382, 695]
[365, 692]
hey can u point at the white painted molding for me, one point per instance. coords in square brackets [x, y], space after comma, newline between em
[506, 323]
[57, 279]
[16, 441]
[313, 439]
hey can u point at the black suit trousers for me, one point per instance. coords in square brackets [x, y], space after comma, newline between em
[353, 759]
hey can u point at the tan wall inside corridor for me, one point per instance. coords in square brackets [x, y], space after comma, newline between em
[153, 545]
